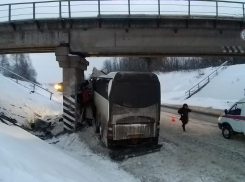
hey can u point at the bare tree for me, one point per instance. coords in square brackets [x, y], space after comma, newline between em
[22, 66]
[4, 62]
[167, 64]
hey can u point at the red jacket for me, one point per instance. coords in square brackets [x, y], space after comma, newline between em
[86, 95]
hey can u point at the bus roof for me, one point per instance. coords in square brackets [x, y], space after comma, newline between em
[132, 76]
[110, 75]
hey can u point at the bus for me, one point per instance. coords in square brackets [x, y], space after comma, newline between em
[127, 108]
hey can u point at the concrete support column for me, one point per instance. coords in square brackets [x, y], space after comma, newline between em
[73, 75]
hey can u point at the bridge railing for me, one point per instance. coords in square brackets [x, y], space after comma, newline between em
[205, 81]
[19, 78]
[95, 8]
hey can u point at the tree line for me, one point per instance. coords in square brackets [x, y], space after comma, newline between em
[20, 64]
[167, 64]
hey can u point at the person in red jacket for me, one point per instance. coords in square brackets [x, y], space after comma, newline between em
[85, 98]
[85, 94]
[184, 112]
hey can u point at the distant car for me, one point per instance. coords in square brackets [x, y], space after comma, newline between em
[59, 87]
[233, 121]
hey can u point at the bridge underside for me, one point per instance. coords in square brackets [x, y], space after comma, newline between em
[120, 36]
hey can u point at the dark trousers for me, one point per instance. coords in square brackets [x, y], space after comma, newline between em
[184, 122]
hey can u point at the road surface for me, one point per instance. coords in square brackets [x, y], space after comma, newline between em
[199, 154]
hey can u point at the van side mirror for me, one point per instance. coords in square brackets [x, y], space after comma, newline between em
[225, 111]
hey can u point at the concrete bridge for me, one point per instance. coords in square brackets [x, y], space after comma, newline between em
[78, 29]
[162, 28]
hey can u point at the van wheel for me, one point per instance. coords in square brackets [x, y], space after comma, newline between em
[227, 132]
[96, 127]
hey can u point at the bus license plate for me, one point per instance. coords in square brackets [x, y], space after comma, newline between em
[135, 136]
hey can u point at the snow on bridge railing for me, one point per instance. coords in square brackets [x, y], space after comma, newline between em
[94, 8]
[20, 78]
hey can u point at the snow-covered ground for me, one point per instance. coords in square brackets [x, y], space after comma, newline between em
[200, 154]
[222, 91]
[18, 102]
[26, 158]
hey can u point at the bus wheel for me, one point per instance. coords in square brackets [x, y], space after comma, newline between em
[96, 127]
[100, 132]
[110, 144]
[155, 141]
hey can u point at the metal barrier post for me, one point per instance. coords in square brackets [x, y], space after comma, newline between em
[34, 11]
[129, 7]
[51, 95]
[60, 10]
[69, 8]
[189, 8]
[98, 7]
[9, 12]
[217, 10]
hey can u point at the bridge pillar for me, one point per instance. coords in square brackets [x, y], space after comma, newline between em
[73, 75]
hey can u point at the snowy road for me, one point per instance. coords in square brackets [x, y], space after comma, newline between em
[200, 154]
[193, 115]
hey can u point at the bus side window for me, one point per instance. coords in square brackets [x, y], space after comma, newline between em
[102, 87]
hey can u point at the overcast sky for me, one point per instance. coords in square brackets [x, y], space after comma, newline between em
[46, 65]
[48, 69]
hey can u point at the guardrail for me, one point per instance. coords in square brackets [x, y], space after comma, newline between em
[204, 82]
[24, 79]
[7, 120]
[69, 9]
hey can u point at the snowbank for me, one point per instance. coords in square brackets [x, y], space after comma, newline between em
[222, 91]
[18, 102]
[26, 158]
[73, 146]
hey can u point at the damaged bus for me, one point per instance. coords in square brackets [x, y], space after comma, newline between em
[127, 108]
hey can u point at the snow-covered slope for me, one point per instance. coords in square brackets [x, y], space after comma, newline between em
[224, 89]
[26, 158]
[19, 103]
[220, 93]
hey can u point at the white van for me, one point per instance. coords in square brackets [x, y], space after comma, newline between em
[233, 121]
